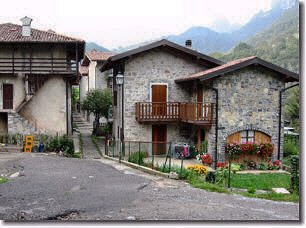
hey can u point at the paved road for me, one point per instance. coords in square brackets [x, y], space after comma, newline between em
[51, 187]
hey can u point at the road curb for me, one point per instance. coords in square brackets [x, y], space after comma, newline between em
[142, 168]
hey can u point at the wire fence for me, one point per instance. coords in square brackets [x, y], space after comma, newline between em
[159, 156]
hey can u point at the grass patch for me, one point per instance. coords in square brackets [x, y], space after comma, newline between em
[137, 157]
[3, 180]
[94, 140]
[264, 181]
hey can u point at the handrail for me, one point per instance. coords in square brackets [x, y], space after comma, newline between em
[174, 111]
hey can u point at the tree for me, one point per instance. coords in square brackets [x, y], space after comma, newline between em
[98, 102]
[292, 108]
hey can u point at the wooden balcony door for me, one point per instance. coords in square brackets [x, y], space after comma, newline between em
[159, 134]
[159, 100]
[200, 112]
[8, 96]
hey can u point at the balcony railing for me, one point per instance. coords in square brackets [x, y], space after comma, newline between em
[201, 113]
[37, 65]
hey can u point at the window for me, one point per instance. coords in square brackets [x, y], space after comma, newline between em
[247, 136]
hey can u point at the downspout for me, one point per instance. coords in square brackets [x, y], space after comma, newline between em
[67, 119]
[280, 117]
[216, 129]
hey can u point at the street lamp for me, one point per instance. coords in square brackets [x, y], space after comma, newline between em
[119, 79]
[119, 82]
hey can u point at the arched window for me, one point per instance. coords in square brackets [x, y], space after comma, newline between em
[248, 136]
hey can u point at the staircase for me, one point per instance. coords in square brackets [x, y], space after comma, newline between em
[18, 124]
[80, 124]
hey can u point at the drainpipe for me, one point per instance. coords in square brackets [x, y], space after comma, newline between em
[280, 117]
[216, 129]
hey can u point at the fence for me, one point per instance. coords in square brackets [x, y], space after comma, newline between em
[155, 155]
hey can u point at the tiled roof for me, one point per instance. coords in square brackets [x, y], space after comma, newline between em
[12, 33]
[83, 70]
[98, 55]
[215, 69]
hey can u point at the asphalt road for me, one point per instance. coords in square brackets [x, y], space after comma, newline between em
[58, 188]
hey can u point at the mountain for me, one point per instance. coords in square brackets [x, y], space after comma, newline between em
[279, 43]
[207, 40]
[91, 45]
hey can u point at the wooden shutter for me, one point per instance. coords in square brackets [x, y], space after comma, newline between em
[234, 138]
[262, 137]
[115, 98]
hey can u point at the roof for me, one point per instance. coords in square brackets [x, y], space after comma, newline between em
[12, 33]
[209, 61]
[94, 55]
[98, 55]
[289, 76]
[83, 70]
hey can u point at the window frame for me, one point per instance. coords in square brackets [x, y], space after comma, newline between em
[247, 137]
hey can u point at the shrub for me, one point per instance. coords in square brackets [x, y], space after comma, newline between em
[295, 176]
[211, 177]
[274, 165]
[251, 190]
[221, 164]
[207, 160]
[198, 169]
[290, 149]
[235, 167]
[137, 157]
[193, 151]
[62, 143]
[262, 166]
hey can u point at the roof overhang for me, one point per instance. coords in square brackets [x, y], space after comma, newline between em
[287, 75]
[170, 46]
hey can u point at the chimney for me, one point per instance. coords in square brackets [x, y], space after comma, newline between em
[26, 26]
[188, 44]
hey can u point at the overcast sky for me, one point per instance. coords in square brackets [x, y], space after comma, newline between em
[113, 23]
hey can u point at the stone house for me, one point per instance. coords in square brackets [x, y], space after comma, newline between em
[37, 70]
[91, 77]
[175, 94]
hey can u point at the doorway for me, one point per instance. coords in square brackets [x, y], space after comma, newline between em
[7, 96]
[200, 137]
[159, 100]
[159, 134]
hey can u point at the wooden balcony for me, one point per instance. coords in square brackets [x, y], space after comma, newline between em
[194, 113]
[38, 65]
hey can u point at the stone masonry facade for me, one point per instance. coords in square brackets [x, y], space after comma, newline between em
[155, 66]
[248, 100]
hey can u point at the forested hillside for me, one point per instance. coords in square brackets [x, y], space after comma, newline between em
[278, 44]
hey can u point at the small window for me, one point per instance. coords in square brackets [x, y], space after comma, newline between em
[247, 136]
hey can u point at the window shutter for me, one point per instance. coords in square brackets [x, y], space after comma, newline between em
[234, 138]
[262, 137]
[115, 98]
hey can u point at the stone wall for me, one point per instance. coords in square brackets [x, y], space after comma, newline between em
[248, 100]
[155, 66]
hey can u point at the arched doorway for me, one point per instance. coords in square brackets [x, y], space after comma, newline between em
[250, 136]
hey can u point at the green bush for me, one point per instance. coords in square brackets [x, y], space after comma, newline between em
[63, 143]
[290, 149]
[137, 157]
[262, 166]
[251, 190]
